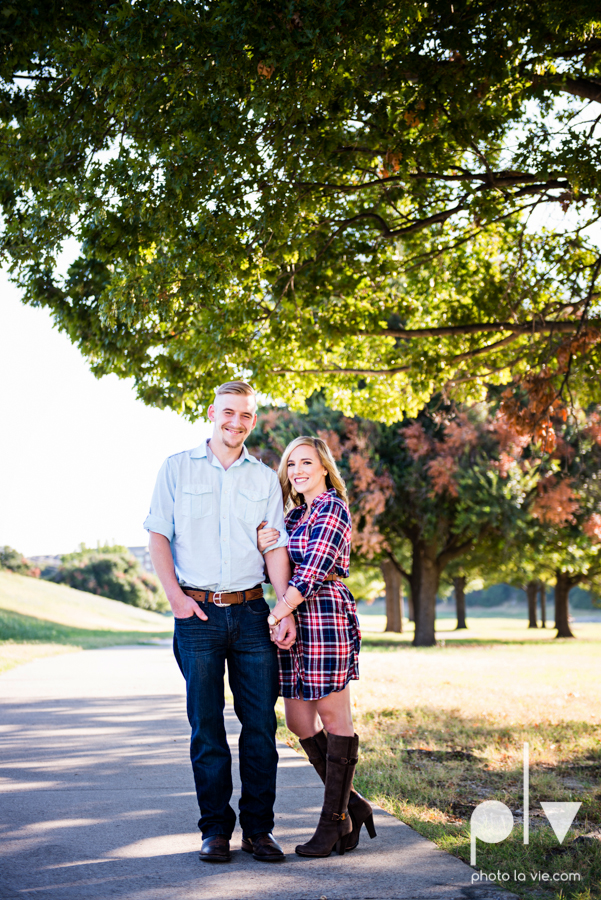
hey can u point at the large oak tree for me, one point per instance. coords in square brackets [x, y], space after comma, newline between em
[319, 193]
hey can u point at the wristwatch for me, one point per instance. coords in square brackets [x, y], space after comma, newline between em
[271, 620]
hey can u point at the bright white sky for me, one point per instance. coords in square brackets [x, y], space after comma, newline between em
[78, 455]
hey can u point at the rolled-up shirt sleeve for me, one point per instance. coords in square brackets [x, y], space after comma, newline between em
[275, 514]
[161, 516]
[329, 531]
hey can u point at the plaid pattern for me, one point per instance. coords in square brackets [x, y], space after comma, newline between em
[325, 656]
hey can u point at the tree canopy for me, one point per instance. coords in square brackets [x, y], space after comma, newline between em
[111, 571]
[13, 561]
[383, 200]
[421, 495]
[462, 491]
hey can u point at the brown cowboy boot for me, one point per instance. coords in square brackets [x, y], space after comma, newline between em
[335, 824]
[359, 809]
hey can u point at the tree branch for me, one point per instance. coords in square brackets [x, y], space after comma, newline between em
[459, 358]
[389, 232]
[579, 87]
[445, 556]
[532, 327]
[340, 371]
[579, 50]
[494, 179]
[486, 349]
[397, 565]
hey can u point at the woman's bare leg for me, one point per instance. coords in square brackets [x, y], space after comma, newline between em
[302, 717]
[335, 712]
[305, 717]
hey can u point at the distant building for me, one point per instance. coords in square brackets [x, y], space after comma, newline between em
[47, 563]
[142, 554]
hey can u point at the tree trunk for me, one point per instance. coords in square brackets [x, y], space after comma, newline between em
[531, 593]
[459, 584]
[425, 577]
[394, 596]
[563, 585]
[410, 606]
[543, 604]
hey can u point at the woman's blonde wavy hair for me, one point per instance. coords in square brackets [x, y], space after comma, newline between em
[333, 478]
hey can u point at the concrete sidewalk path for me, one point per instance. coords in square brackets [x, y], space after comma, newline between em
[98, 800]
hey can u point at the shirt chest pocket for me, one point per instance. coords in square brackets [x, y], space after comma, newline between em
[197, 500]
[251, 505]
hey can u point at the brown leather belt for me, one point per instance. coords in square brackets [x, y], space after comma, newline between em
[221, 598]
[333, 577]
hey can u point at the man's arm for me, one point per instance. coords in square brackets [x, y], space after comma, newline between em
[279, 571]
[162, 559]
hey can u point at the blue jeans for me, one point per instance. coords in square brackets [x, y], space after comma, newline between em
[240, 635]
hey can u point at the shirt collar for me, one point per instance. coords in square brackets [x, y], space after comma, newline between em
[317, 501]
[203, 450]
[321, 497]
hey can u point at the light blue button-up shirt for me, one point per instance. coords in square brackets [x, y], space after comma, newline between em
[210, 515]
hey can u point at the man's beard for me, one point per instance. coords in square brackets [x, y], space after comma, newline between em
[228, 440]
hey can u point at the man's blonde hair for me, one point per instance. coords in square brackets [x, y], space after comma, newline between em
[236, 387]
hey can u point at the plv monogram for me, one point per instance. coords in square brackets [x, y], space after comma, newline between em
[492, 821]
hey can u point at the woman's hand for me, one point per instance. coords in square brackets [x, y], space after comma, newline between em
[284, 634]
[266, 537]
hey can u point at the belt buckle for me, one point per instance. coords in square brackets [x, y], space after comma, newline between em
[218, 602]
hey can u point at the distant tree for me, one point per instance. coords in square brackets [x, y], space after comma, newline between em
[113, 572]
[532, 595]
[421, 494]
[13, 561]
[542, 593]
[560, 537]
[568, 505]
[459, 590]
[460, 482]
[394, 595]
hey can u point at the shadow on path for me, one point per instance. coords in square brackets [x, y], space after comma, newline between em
[98, 800]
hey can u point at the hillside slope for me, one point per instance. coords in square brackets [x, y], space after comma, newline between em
[67, 606]
[38, 618]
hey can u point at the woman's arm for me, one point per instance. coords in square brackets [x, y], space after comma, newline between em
[330, 529]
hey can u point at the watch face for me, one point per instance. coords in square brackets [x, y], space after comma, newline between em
[271, 619]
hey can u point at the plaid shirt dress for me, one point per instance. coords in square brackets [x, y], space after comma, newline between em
[325, 656]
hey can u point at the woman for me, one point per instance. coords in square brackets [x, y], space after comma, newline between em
[315, 672]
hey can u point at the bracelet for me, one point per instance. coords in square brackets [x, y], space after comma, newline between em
[287, 604]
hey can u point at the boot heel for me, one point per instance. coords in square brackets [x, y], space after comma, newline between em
[341, 845]
[371, 828]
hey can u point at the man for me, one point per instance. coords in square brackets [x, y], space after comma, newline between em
[204, 513]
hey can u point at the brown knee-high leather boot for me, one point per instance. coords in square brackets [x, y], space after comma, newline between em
[335, 824]
[361, 813]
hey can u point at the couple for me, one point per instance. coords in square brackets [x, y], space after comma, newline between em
[210, 550]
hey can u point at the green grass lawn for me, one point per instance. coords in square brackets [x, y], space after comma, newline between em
[38, 618]
[443, 728]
